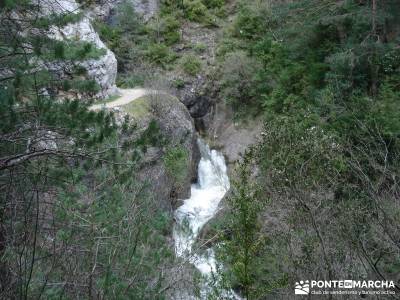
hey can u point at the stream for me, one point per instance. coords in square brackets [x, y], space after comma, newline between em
[206, 194]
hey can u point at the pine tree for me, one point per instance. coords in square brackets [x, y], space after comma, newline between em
[74, 222]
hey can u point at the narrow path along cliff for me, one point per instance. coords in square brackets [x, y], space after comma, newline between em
[126, 96]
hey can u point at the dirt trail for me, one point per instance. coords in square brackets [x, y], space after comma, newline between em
[126, 96]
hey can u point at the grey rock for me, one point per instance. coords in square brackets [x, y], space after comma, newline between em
[103, 9]
[146, 8]
[232, 138]
[198, 105]
[102, 70]
[176, 124]
[195, 98]
[177, 127]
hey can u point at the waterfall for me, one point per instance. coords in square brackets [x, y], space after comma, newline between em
[213, 183]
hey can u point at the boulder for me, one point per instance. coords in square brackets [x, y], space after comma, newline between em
[177, 128]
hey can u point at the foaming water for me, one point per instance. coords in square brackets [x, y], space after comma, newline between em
[213, 183]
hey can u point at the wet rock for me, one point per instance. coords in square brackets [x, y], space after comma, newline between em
[198, 105]
[195, 97]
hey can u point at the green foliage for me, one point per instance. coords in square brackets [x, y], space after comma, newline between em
[244, 247]
[326, 81]
[193, 10]
[109, 34]
[170, 30]
[68, 50]
[86, 86]
[191, 64]
[76, 222]
[151, 136]
[245, 239]
[130, 80]
[132, 40]
[240, 82]
[127, 19]
[125, 36]
[385, 111]
[164, 29]
[252, 20]
[112, 221]
[44, 22]
[214, 3]
[160, 54]
[179, 83]
[176, 162]
[200, 47]
[309, 143]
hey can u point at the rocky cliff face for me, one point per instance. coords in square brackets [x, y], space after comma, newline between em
[104, 8]
[104, 69]
[146, 8]
[232, 137]
[176, 129]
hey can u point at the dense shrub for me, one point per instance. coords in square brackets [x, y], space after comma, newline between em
[240, 82]
[201, 11]
[252, 20]
[176, 161]
[130, 80]
[165, 29]
[325, 75]
[214, 3]
[132, 40]
[110, 35]
[191, 64]
[170, 31]
[160, 54]
[200, 47]
[179, 83]
[195, 10]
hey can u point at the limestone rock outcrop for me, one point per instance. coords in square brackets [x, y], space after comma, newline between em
[104, 69]
[176, 128]
[103, 9]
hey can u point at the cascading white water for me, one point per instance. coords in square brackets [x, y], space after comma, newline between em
[213, 183]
